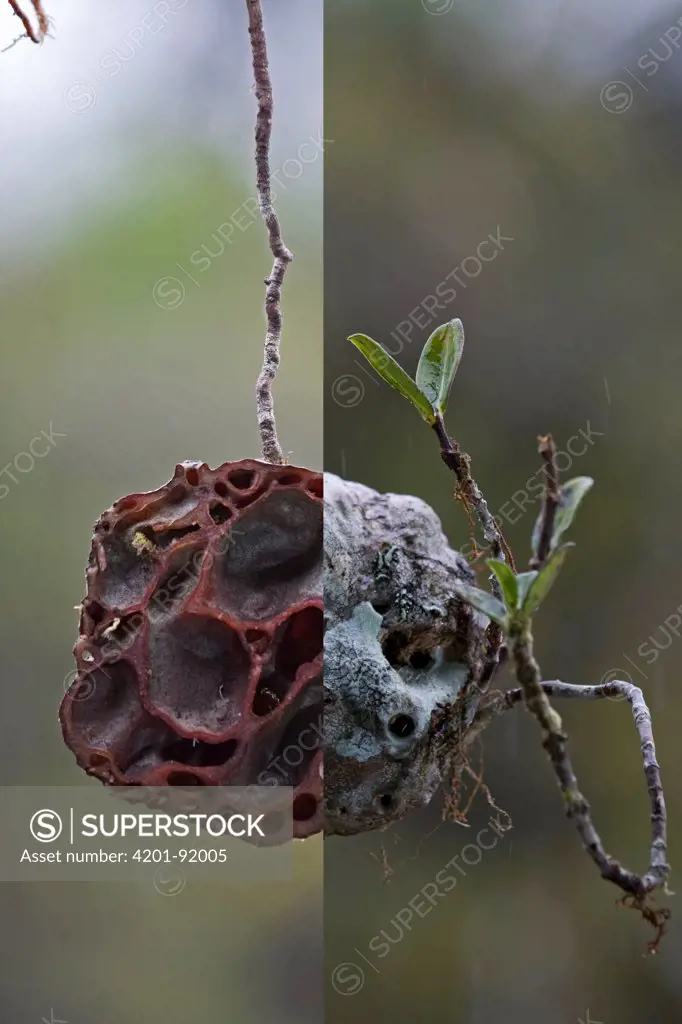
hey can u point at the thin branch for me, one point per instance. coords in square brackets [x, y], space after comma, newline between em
[495, 657]
[10, 46]
[270, 446]
[29, 31]
[43, 20]
[536, 695]
[470, 494]
[472, 498]
[547, 449]
[659, 869]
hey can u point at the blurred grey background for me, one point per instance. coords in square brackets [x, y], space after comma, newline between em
[558, 126]
[127, 150]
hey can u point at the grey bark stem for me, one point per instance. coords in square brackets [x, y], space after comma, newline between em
[472, 498]
[468, 490]
[536, 694]
[267, 426]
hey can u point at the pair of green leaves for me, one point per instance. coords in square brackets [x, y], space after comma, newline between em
[436, 371]
[523, 593]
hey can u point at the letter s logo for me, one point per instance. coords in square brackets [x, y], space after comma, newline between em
[46, 826]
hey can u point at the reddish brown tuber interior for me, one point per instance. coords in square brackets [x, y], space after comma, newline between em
[200, 654]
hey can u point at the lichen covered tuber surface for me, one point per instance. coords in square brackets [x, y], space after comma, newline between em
[200, 649]
[402, 655]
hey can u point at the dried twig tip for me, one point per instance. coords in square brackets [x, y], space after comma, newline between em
[547, 450]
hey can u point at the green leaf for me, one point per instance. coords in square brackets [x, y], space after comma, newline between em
[523, 582]
[484, 602]
[453, 356]
[438, 363]
[541, 585]
[507, 580]
[570, 496]
[390, 371]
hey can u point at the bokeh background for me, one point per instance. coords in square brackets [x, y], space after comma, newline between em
[126, 145]
[559, 124]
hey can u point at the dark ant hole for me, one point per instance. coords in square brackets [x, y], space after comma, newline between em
[199, 754]
[242, 479]
[421, 659]
[315, 486]
[393, 647]
[301, 641]
[220, 488]
[164, 538]
[192, 477]
[386, 801]
[265, 700]
[288, 478]
[401, 726]
[253, 636]
[381, 607]
[219, 513]
[95, 611]
[183, 779]
[258, 640]
[305, 807]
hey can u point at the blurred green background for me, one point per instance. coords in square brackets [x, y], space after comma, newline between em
[546, 120]
[111, 178]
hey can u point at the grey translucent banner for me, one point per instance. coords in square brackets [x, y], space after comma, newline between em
[166, 835]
